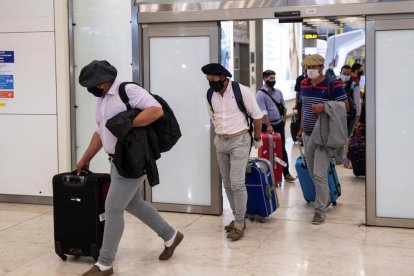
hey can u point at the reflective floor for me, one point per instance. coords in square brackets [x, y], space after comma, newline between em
[286, 244]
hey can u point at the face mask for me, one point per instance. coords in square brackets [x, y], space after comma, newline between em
[270, 83]
[313, 73]
[97, 92]
[345, 78]
[331, 67]
[217, 85]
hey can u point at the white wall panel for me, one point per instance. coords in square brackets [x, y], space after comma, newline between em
[102, 31]
[394, 126]
[28, 154]
[34, 73]
[26, 16]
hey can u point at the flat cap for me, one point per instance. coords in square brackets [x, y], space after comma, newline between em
[312, 60]
[215, 69]
[97, 72]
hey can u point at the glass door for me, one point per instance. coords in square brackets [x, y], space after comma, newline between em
[172, 58]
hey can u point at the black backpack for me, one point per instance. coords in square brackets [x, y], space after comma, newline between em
[349, 89]
[239, 101]
[166, 127]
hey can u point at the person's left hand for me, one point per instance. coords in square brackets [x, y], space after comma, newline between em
[318, 108]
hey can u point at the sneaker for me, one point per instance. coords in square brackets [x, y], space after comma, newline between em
[318, 218]
[289, 178]
[169, 251]
[236, 233]
[230, 226]
[96, 271]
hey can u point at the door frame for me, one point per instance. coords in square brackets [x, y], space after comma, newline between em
[211, 29]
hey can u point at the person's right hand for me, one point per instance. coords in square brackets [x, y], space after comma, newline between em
[299, 135]
[270, 129]
[82, 166]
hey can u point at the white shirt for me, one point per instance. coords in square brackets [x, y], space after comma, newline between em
[227, 117]
[111, 105]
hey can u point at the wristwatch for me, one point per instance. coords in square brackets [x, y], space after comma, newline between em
[258, 139]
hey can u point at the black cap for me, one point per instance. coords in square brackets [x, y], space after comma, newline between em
[215, 69]
[97, 72]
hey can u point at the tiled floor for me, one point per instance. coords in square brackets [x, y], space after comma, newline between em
[287, 244]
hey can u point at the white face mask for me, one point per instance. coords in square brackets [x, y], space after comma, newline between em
[313, 73]
[345, 78]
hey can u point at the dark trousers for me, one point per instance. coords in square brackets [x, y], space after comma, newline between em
[280, 128]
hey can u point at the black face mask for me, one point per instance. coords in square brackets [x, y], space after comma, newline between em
[97, 92]
[270, 83]
[360, 73]
[217, 85]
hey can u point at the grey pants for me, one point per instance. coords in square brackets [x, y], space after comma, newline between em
[317, 160]
[232, 156]
[126, 194]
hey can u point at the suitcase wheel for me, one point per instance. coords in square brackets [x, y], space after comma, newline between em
[256, 218]
[260, 219]
[59, 251]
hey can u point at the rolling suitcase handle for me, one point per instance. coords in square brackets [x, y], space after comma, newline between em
[303, 157]
[75, 180]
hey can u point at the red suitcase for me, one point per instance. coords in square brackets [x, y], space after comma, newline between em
[272, 151]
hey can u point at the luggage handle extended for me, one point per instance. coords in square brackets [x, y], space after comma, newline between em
[303, 156]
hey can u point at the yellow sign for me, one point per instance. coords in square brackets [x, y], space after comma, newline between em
[2, 104]
[311, 36]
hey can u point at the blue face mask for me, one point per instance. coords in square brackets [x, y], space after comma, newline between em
[97, 92]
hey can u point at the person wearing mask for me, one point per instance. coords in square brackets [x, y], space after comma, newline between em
[330, 72]
[354, 98]
[356, 73]
[272, 105]
[124, 193]
[232, 140]
[315, 91]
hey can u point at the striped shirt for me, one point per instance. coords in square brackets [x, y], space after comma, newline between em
[319, 94]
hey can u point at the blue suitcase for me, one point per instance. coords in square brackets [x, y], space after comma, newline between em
[261, 189]
[306, 183]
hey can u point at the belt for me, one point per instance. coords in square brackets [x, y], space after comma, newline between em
[229, 136]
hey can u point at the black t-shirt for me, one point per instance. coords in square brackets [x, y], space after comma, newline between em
[298, 81]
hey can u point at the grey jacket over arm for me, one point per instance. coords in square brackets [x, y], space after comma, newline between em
[330, 130]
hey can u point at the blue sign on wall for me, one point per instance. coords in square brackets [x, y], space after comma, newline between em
[6, 82]
[6, 56]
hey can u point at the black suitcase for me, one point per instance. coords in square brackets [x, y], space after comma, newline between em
[78, 213]
[356, 153]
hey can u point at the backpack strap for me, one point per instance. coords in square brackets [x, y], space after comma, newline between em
[239, 100]
[330, 89]
[209, 96]
[279, 106]
[237, 95]
[123, 95]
